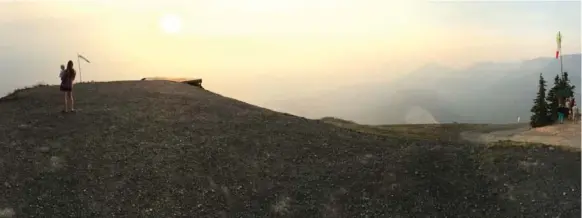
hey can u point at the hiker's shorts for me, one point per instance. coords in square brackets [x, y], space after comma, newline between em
[66, 88]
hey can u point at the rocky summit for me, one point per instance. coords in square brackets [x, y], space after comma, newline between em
[168, 149]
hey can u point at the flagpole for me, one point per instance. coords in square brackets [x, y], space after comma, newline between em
[79, 63]
[559, 41]
[561, 62]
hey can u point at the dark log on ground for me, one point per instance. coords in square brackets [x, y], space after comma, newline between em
[194, 82]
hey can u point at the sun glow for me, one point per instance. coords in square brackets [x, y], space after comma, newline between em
[170, 24]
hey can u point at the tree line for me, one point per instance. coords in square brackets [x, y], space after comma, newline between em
[545, 108]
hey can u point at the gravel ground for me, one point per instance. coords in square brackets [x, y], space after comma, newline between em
[165, 149]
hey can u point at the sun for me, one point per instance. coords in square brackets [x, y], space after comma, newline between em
[170, 24]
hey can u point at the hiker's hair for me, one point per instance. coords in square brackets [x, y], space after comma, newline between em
[62, 66]
[69, 65]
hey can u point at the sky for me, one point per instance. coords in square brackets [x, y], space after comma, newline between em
[263, 50]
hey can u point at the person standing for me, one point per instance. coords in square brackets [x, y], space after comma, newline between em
[572, 107]
[562, 109]
[567, 110]
[67, 78]
[575, 114]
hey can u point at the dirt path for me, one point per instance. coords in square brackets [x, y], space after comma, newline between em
[560, 135]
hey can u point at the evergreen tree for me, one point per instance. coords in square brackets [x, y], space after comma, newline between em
[553, 101]
[568, 87]
[540, 107]
[564, 89]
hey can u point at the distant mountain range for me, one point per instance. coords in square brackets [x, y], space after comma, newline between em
[482, 93]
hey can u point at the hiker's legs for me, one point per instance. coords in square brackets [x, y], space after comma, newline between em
[560, 117]
[66, 102]
[71, 100]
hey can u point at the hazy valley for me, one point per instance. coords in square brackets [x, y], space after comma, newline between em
[482, 93]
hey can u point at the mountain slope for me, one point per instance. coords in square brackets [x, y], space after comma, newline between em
[486, 92]
[165, 149]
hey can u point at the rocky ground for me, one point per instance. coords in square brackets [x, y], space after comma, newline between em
[165, 149]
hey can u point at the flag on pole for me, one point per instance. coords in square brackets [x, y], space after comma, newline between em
[559, 42]
[84, 58]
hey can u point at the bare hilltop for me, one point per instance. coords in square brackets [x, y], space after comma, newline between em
[169, 149]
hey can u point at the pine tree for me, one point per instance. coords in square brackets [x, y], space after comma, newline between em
[553, 101]
[540, 107]
[564, 89]
[568, 87]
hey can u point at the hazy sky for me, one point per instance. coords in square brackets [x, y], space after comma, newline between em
[241, 48]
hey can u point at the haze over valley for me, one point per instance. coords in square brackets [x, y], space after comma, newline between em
[482, 93]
